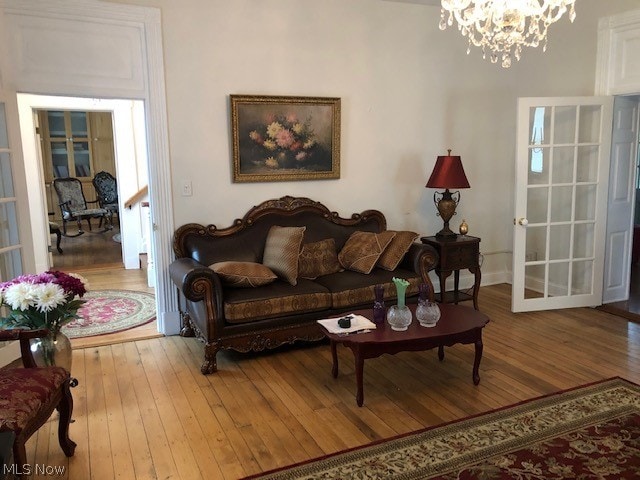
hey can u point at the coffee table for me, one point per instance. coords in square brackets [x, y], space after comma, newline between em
[457, 324]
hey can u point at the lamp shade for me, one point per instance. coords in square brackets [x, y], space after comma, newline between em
[448, 173]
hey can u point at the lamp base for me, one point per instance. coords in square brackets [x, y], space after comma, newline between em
[446, 206]
[446, 233]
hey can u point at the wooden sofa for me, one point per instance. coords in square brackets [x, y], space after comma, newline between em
[265, 317]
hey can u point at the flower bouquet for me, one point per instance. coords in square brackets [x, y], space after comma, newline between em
[46, 300]
[285, 141]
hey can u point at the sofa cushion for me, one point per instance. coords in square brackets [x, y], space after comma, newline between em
[353, 289]
[243, 274]
[318, 258]
[362, 250]
[242, 305]
[281, 251]
[396, 250]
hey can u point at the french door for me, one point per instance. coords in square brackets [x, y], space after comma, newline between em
[562, 167]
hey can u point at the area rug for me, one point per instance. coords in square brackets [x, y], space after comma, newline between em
[110, 311]
[590, 432]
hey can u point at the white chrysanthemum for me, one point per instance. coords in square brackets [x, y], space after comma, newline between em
[273, 129]
[309, 143]
[49, 296]
[269, 144]
[298, 128]
[20, 296]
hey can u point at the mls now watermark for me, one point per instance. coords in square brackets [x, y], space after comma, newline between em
[35, 469]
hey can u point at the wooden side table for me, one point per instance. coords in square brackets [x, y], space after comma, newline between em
[457, 253]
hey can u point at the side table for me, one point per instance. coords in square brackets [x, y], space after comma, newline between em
[457, 253]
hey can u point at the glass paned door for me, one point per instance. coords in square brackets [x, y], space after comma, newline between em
[561, 185]
[10, 248]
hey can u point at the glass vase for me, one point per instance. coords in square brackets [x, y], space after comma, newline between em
[399, 317]
[53, 349]
[379, 309]
[427, 313]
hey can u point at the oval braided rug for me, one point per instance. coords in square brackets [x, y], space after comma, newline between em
[110, 311]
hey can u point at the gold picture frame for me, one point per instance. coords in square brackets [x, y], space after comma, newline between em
[281, 138]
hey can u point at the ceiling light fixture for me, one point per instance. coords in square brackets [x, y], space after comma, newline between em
[503, 27]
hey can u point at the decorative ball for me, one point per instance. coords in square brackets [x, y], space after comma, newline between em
[464, 228]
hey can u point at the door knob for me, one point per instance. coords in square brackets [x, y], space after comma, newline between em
[523, 221]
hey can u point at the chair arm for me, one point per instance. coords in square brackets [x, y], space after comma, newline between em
[422, 258]
[197, 283]
[23, 335]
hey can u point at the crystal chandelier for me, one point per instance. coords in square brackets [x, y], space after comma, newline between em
[503, 27]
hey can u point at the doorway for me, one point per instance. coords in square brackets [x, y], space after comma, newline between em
[131, 165]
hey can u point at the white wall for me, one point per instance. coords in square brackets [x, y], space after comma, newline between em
[408, 93]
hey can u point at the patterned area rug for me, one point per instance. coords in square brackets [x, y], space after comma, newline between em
[591, 432]
[110, 311]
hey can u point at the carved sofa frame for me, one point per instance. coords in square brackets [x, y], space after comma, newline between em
[202, 295]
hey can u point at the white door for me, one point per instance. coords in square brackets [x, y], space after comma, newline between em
[622, 194]
[10, 246]
[562, 168]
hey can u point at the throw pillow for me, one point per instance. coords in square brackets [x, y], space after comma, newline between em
[318, 259]
[281, 251]
[243, 274]
[396, 250]
[362, 250]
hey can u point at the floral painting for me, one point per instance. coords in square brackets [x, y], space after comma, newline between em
[285, 138]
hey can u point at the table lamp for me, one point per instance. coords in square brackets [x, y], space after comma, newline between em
[447, 173]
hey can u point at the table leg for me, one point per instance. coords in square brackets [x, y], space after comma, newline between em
[476, 361]
[359, 364]
[441, 352]
[456, 286]
[334, 356]
[476, 285]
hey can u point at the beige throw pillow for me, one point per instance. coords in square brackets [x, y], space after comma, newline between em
[243, 274]
[396, 250]
[281, 251]
[318, 259]
[362, 250]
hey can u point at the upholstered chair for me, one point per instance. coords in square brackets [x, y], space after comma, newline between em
[30, 394]
[74, 206]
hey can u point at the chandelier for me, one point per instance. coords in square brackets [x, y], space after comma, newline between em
[503, 27]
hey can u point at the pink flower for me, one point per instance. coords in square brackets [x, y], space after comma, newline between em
[292, 118]
[284, 138]
[297, 145]
[301, 156]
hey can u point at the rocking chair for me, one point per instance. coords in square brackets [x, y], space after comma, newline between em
[74, 206]
[29, 395]
[107, 191]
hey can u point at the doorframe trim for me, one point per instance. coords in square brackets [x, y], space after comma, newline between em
[147, 20]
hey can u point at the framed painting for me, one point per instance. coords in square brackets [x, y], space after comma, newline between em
[285, 138]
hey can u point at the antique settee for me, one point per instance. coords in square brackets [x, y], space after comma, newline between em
[303, 247]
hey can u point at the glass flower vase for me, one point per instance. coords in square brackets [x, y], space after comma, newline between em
[427, 312]
[399, 317]
[53, 349]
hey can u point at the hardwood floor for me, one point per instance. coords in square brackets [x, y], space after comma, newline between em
[629, 309]
[143, 410]
[98, 258]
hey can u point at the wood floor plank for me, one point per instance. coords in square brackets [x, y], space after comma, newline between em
[263, 411]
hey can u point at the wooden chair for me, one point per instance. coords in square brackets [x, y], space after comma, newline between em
[74, 206]
[29, 395]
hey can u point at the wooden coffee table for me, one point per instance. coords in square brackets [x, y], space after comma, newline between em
[457, 324]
